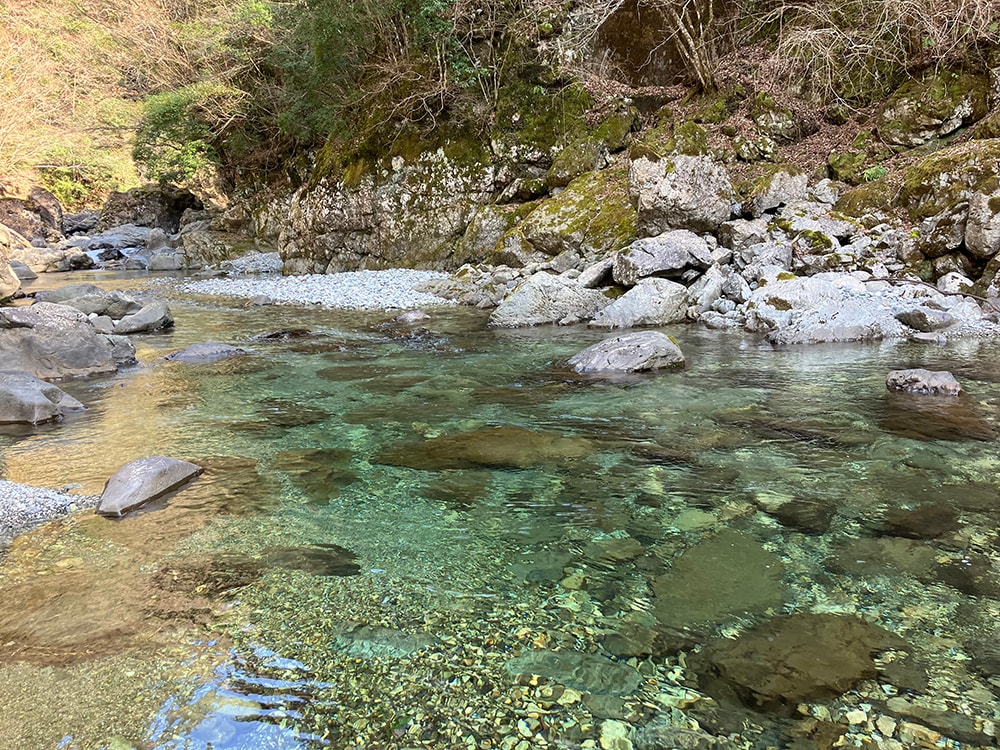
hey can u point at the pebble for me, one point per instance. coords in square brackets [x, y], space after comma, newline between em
[23, 507]
[354, 290]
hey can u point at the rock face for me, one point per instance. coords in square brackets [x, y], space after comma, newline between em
[680, 192]
[29, 400]
[53, 341]
[799, 659]
[147, 207]
[143, 480]
[546, 298]
[633, 352]
[941, 383]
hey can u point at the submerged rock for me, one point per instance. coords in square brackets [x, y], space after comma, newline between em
[319, 472]
[30, 400]
[317, 560]
[723, 576]
[208, 351]
[799, 658]
[926, 417]
[505, 447]
[143, 480]
[586, 672]
[632, 352]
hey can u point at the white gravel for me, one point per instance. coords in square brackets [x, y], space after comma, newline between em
[356, 290]
[23, 507]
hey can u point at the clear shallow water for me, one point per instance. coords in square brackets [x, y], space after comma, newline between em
[389, 517]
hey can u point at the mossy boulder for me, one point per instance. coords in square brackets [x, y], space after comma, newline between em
[774, 120]
[591, 149]
[939, 182]
[849, 166]
[932, 107]
[759, 148]
[533, 120]
[592, 216]
[869, 197]
[774, 186]
[988, 127]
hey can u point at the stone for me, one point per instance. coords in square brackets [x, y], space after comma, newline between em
[91, 299]
[672, 254]
[26, 399]
[632, 352]
[799, 658]
[544, 298]
[505, 447]
[143, 480]
[154, 316]
[783, 186]
[10, 282]
[208, 351]
[651, 302]
[160, 207]
[740, 233]
[597, 274]
[918, 380]
[982, 228]
[921, 416]
[679, 192]
[925, 319]
[22, 271]
[927, 521]
[723, 576]
[588, 673]
[882, 556]
[933, 107]
[53, 341]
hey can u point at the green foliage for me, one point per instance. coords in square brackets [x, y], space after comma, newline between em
[874, 173]
[181, 130]
[77, 180]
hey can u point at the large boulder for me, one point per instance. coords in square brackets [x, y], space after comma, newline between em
[91, 299]
[675, 254]
[982, 229]
[142, 480]
[947, 178]
[39, 216]
[9, 280]
[679, 192]
[546, 298]
[933, 107]
[29, 400]
[919, 380]
[53, 341]
[651, 302]
[631, 352]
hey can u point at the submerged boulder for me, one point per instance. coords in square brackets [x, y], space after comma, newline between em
[632, 352]
[29, 400]
[918, 380]
[142, 480]
[208, 351]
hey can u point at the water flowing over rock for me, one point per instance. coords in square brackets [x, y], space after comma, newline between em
[680, 192]
[585, 672]
[651, 302]
[143, 480]
[54, 341]
[726, 575]
[918, 380]
[30, 400]
[799, 658]
[545, 298]
[502, 447]
[632, 352]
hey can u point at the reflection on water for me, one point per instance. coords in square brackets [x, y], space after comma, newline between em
[441, 538]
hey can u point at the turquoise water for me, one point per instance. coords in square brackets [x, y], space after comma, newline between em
[391, 518]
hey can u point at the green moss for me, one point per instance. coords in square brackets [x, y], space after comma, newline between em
[942, 180]
[586, 152]
[867, 197]
[778, 304]
[994, 204]
[846, 166]
[989, 127]
[593, 215]
[688, 138]
[540, 116]
[759, 179]
[932, 100]
[786, 276]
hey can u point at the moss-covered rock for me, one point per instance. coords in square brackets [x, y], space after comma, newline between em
[591, 149]
[774, 120]
[759, 148]
[774, 186]
[869, 197]
[849, 166]
[941, 181]
[534, 120]
[592, 216]
[933, 107]
[988, 127]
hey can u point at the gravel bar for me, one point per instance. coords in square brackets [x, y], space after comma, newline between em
[393, 289]
[22, 507]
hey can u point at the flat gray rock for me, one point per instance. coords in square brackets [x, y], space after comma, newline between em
[53, 341]
[152, 317]
[631, 352]
[25, 399]
[143, 480]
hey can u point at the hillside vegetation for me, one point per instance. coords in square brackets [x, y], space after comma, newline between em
[195, 88]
